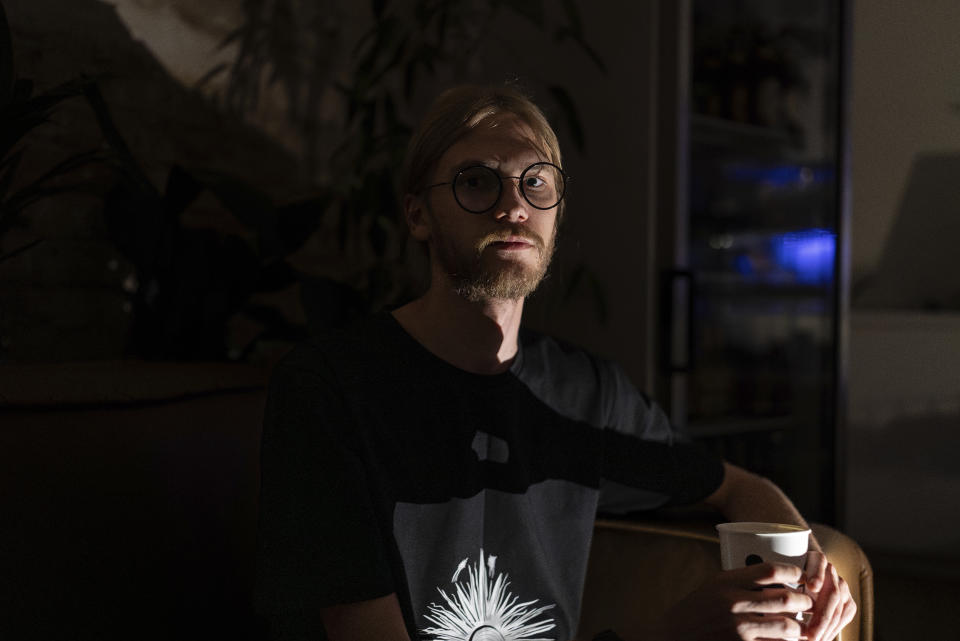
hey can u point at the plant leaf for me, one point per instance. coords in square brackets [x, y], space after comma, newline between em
[21, 249]
[131, 167]
[591, 52]
[214, 71]
[70, 164]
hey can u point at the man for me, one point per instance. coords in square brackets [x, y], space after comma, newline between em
[434, 473]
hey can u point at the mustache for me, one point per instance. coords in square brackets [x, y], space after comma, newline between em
[503, 235]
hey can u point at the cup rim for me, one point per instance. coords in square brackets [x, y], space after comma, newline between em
[760, 528]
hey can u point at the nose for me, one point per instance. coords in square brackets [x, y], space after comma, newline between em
[512, 206]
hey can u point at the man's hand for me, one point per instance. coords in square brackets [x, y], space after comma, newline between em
[833, 606]
[746, 604]
[744, 496]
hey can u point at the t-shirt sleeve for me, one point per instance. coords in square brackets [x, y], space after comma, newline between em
[319, 542]
[647, 462]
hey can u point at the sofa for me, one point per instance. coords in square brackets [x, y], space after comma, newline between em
[128, 505]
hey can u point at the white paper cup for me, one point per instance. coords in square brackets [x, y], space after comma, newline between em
[749, 543]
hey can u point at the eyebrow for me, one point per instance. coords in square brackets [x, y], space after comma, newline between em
[473, 162]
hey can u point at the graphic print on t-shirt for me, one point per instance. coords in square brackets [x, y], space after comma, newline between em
[482, 608]
[488, 447]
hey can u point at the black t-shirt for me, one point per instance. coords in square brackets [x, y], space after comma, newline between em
[386, 469]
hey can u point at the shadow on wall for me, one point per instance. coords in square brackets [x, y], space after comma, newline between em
[918, 268]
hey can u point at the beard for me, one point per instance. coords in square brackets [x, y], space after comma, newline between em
[478, 277]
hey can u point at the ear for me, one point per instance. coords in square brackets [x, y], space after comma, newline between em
[418, 220]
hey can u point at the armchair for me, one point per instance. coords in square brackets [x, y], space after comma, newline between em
[639, 568]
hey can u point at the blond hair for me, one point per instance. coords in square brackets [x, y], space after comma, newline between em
[457, 112]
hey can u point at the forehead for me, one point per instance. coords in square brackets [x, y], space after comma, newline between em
[503, 141]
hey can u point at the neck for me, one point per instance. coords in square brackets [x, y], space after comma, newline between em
[477, 337]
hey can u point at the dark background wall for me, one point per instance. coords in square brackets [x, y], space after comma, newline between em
[65, 298]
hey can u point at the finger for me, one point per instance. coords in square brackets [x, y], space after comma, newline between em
[849, 609]
[845, 612]
[754, 627]
[827, 603]
[773, 573]
[816, 570]
[832, 627]
[771, 601]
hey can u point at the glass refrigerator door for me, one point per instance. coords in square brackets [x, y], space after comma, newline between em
[762, 238]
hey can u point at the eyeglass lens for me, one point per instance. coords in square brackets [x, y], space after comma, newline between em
[477, 189]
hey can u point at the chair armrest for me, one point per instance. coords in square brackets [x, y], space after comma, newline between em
[639, 568]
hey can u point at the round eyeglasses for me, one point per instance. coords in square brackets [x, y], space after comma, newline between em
[477, 188]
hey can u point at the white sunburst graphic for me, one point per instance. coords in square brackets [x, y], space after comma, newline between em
[482, 609]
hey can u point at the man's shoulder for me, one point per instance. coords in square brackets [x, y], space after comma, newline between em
[551, 353]
[571, 380]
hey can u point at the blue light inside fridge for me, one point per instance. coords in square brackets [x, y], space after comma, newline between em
[808, 254]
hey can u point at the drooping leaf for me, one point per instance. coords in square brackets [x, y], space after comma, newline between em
[116, 140]
[26, 196]
[22, 114]
[214, 71]
[73, 163]
[591, 53]
[19, 250]
[392, 63]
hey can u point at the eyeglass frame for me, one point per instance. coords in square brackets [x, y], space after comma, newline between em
[453, 186]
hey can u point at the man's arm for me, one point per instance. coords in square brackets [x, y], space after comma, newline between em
[373, 620]
[743, 496]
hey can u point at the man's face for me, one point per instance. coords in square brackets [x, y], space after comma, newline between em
[500, 254]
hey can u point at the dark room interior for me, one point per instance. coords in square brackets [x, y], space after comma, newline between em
[760, 229]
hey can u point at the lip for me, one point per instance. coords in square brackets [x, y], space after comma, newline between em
[513, 241]
[511, 245]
